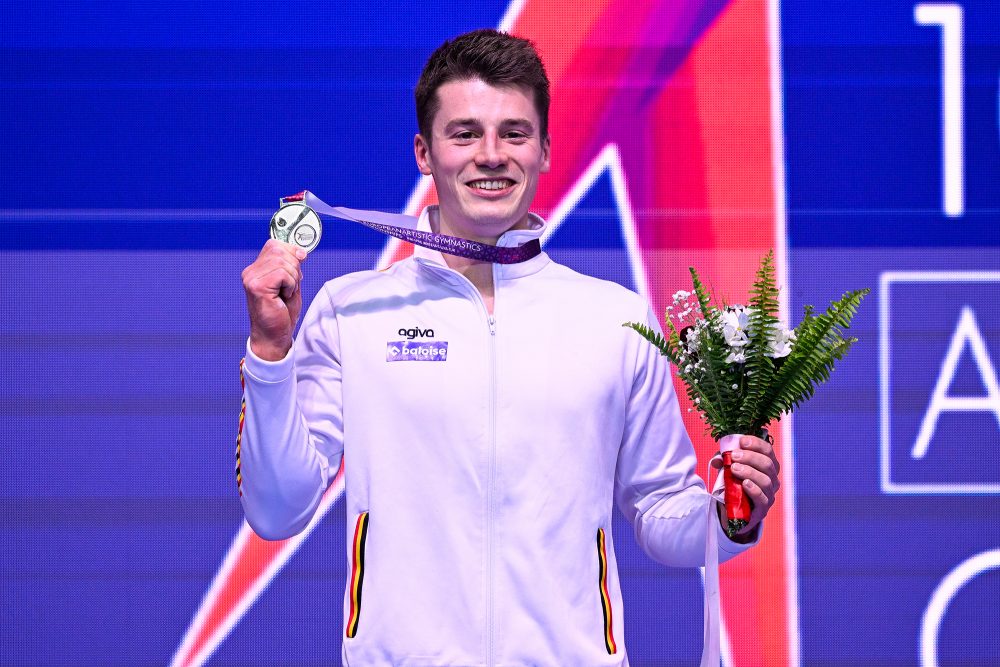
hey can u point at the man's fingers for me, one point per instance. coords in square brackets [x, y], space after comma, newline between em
[277, 251]
[760, 502]
[758, 478]
[274, 281]
[756, 467]
[748, 442]
[751, 444]
[756, 460]
[274, 245]
[758, 475]
[761, 499]
[274, 275]
[280, 278]
[274, 299]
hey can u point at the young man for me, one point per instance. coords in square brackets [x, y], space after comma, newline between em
[480, 474]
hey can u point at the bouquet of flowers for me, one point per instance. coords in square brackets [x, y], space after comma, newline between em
[742, 368]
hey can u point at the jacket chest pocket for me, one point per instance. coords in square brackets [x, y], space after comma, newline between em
[602, 583]
[357, 574]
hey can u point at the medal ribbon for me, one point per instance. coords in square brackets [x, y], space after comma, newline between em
[402, 227]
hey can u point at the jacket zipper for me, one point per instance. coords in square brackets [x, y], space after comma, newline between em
[491, 473]
[491, 485]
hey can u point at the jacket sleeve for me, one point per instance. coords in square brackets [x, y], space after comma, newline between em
[293, 438]
[656, 486]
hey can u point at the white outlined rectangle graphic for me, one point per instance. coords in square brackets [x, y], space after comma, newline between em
[939, 306]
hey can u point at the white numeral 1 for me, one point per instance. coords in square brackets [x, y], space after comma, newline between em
[949, 17]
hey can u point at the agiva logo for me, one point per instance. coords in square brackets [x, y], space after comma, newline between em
[416, 332]
[663, 132]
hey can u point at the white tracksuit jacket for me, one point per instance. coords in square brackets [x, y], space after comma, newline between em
[482, 455]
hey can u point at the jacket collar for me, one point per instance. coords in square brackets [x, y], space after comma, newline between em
[434, 260]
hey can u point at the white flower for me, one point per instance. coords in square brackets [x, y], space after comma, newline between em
[781, 343]
[692, 340]
[735, 386]
[680, 295]
[736, 326]
[737, 356]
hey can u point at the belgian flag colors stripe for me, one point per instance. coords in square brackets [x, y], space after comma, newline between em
[357, 573]
[239, 433]
[602, 557]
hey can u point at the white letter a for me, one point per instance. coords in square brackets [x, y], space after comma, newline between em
[967, 330]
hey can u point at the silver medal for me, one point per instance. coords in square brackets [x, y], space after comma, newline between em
[297, 224]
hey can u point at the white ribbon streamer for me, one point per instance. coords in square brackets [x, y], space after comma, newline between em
[712, 640]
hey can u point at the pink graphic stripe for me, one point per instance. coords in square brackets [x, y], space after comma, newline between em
[249, 567]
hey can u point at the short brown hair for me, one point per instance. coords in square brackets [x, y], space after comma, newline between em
[494, 57]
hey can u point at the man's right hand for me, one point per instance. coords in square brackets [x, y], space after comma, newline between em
[274, 299]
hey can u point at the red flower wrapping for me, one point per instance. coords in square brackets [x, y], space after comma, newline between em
[737, 503]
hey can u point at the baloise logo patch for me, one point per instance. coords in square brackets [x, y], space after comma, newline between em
[411, 350]
[405, 350]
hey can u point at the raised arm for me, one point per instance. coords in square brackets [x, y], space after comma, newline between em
[292, 439]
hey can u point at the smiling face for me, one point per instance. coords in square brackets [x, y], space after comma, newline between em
[485, 154]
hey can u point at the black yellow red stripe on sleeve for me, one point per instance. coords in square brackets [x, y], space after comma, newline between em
[239, 432]
[602, 556]
[357, 573]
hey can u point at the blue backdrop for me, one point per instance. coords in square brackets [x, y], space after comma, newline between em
[144, 150]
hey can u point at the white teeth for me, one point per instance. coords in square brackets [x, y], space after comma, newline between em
[490, 185]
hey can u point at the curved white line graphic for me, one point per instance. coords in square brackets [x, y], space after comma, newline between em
[942, 597]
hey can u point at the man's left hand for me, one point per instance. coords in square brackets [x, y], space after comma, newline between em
[755, 464]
